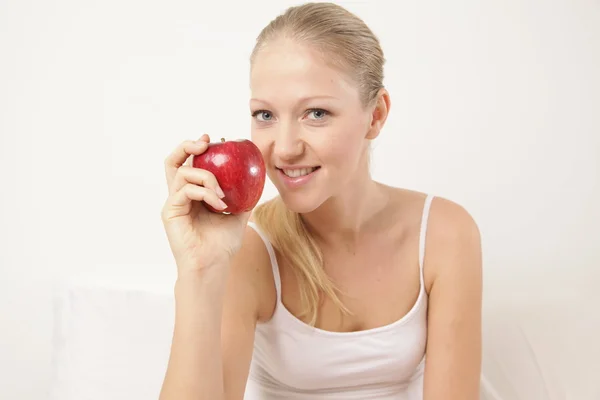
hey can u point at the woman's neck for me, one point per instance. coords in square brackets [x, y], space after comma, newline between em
[346, 217]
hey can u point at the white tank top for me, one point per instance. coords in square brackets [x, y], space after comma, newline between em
[293, 360]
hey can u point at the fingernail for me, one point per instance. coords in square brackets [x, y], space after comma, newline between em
[219, 192]
[223, 205]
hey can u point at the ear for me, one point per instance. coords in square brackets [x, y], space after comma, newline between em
[379, 113]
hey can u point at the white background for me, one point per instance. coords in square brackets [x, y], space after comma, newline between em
[495, 105]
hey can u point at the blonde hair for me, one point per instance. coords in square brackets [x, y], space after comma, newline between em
[346, 42]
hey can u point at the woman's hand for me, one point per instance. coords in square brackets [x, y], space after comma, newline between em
[198, 237]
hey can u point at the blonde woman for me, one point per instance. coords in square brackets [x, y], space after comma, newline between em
[341, 287]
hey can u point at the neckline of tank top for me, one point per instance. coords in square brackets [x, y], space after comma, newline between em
[379, 329]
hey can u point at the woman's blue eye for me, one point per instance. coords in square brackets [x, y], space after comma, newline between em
[318, 113]
[262, 115]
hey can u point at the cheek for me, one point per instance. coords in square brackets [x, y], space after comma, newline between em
[343, 147]
[261, 143]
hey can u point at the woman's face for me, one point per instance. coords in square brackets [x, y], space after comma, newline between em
[309, 123]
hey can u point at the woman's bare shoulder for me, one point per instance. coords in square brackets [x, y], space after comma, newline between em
[446, 217]
[450, 227]
[405, 207]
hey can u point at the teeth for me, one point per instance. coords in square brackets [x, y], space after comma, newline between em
[295, 173]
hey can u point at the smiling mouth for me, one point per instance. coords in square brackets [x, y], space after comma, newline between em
[297, 173]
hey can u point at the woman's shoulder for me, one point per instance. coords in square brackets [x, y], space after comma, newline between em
[444, 216]
[452, 235]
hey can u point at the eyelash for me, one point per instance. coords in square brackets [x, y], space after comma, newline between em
[255, 113]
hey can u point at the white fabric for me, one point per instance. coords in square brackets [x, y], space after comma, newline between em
[541, 338]
[293, 360]
[111, 340]
[542, 344]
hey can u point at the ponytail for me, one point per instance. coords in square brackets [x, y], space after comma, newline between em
[293, 242]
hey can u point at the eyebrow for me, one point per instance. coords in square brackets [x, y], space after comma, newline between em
[302, 100]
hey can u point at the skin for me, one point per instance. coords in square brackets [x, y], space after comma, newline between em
[368, 253]
[368, 232]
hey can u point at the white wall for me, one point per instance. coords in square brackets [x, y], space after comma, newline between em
[495, 105]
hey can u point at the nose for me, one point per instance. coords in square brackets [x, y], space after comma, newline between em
[288, 144]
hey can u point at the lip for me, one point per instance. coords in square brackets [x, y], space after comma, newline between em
[295, 166]
[295, 183]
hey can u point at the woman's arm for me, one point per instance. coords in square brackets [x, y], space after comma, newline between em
[215, 315]
[453, 366]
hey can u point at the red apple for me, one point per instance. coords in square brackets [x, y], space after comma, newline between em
[240, 170]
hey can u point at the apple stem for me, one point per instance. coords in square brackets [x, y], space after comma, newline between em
[223, 140]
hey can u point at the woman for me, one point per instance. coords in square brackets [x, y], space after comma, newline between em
[341, 287]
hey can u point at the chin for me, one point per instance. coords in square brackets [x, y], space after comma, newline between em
[301, 203]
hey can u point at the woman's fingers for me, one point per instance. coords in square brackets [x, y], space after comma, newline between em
[191, 192]
[186, 174]
[204, 138]
[179, 203]
[182, 153]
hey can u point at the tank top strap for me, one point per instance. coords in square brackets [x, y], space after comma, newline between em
[272, 256]
[423, 233]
